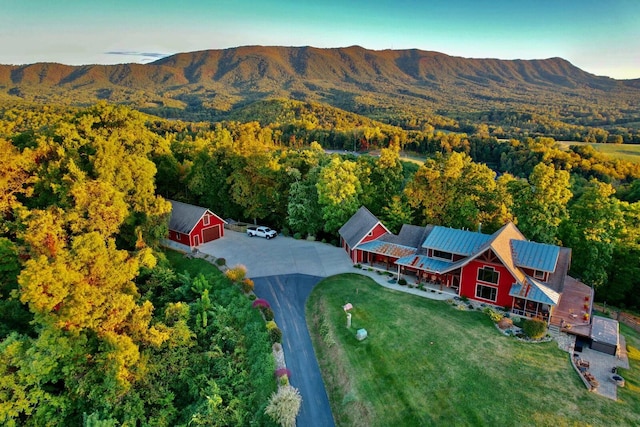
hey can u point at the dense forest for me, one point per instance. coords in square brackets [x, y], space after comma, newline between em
[96, 323]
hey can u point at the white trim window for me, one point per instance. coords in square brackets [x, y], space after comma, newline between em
[488, 275]
[488, 293]
[206, 221]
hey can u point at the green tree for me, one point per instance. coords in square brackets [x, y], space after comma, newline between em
[594, 224]
[454, 191]
[540, 204]
[338, 192]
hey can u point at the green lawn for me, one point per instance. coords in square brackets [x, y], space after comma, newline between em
[427, 363]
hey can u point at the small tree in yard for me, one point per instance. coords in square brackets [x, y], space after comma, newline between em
[284, 406]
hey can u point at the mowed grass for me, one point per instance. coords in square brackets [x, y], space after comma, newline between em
[428, 363]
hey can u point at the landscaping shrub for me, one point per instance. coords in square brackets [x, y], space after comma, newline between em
[282, 371]
[247, 285]
[237, 273]
[505, 323]
[221, 261]
[267, 312]
[402, 282]
[260, 303]
[284, 406]
[274, 332]
[297, 236]
[534, 328]
[493, 315]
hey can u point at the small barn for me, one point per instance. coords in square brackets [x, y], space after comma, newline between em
[193, 225]
[605, 335]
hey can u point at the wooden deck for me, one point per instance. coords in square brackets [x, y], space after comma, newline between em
[568, 315]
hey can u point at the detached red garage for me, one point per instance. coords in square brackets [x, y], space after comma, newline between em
[193, 225]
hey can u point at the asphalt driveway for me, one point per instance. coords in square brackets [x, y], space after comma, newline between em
[282, 255]
[287, 295]
[285, 271]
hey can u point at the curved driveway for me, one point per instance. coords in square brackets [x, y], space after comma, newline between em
[285, 271]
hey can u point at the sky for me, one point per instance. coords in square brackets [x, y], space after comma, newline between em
[600, 37]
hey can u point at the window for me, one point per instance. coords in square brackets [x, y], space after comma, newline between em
[178, 236]
[486, 292]
[443, 255]
[206, 220]
[538, 274]
[488, 274]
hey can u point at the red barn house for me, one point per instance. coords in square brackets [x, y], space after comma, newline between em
[502, 269]
[193, 225]
[361, 228]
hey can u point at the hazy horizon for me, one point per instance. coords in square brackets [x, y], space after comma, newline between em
[602, 39]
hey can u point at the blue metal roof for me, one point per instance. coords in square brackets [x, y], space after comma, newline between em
[537, 256]
[424, 263]
[536, 291]
[461, 242]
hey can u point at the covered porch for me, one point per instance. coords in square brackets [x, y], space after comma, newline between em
[429, 272]
[382, 255]
[533, 299]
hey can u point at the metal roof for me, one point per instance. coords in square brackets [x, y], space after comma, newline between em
[534, 290]
[537, 256]
[461, 242]
[387, 248]
[425, 263]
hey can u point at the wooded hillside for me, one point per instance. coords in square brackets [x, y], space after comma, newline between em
[394, 86]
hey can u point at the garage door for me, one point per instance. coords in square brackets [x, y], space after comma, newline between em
[210, 234]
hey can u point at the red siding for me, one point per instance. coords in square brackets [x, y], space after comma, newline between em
[191, 240]
[377, 231]
[469, 280]
[214, 221]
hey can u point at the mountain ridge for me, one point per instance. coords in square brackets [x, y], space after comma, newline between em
[351, 78]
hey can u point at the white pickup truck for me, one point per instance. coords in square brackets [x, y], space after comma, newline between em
[261, 231]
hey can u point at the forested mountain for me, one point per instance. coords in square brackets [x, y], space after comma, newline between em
[387, 85]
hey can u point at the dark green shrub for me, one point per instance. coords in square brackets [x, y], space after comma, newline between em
[275, 334]
[402, 282]
[534, 328]
[221, 261]
[297, 236]
[268, 313]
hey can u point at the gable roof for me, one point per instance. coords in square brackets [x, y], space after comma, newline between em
[184, 217]
[358, 226]
[536, 256]
[460, 242]
[410, 235]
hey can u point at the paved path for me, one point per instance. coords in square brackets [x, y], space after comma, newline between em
[287, 295]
